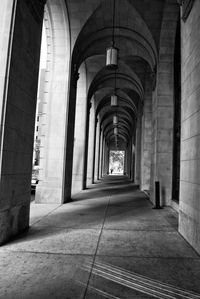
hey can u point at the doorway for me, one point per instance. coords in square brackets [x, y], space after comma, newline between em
[116, 162]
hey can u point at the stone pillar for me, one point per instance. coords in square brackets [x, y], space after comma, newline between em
[103, 157]
[163, 107]
[55, 105]
[70, 136]
[189, 205]
[133, 160]
[20, 40]
[79, 137]
[96, 170]
[91, 144]
[99, 154]
[146, 139]
[85, 161]
[106, 159]
[138, 148]
[94, 150]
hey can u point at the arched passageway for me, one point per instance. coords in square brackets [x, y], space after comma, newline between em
[145, 106]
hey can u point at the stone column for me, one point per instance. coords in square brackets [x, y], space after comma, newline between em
[146, 139]
[20, 40]
[132, 160]
[91, 143]
[138, 148]
[85, 161]
[70, 136]
[163, 107]
[94, 150]
[79, 136]
[99, 154]
[96, 170]
[106, 162]
[103, 157]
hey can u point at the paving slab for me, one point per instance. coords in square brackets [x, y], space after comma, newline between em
[125, 277]
[107, 243]
[30, 276]
[75, 216]
[39, 211]
[56, 240]
[144, 244]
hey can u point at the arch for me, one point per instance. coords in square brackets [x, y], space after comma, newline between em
[98, 31]
[55, 105]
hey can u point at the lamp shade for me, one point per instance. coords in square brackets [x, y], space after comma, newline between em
[114, 100]
[112, 57]
[115, 120]
[115, 131]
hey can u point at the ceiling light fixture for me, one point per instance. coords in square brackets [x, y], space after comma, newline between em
[112, 51]
[114, 97]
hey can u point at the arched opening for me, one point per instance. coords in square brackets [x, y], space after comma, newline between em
[39, 114]
[116, 162]
[137, 60]
[54, 104]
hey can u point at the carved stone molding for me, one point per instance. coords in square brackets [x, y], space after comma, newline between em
[186, 8]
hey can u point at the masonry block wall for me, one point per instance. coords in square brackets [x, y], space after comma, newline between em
[189, 219]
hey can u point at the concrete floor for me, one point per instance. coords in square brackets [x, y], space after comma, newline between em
[107, 243]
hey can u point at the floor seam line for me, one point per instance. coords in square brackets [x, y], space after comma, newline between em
[95, 254]
[45, 216]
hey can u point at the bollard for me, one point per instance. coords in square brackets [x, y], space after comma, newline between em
[157, 195]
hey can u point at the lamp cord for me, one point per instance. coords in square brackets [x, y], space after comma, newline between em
[113, 31]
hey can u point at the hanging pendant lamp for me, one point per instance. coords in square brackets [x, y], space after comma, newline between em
[115, 131]
[114, 97]
[114, 100]
[112, 57]
[112, 51]
[115, 120]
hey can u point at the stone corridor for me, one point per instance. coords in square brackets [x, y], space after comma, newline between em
[107, 243]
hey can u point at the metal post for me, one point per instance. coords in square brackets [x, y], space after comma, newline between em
[157, 195]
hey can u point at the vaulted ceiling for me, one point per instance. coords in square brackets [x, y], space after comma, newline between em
[137, 27]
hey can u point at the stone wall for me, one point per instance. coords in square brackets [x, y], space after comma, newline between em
[189, 220]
